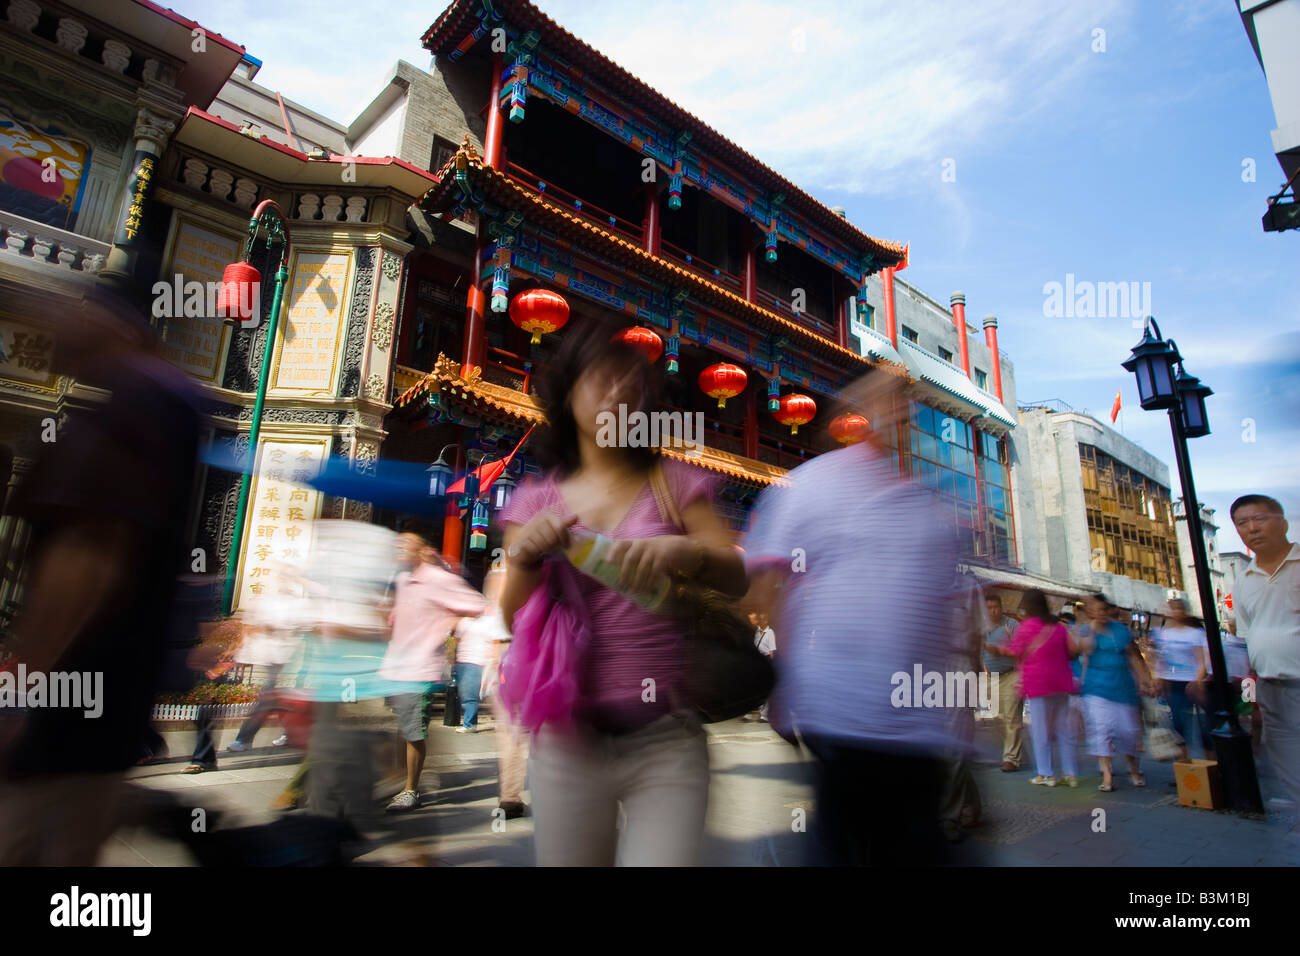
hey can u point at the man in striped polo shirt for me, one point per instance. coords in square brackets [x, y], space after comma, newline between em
[856, 571]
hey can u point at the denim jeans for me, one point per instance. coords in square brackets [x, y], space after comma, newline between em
[469, 681]
[265, 706]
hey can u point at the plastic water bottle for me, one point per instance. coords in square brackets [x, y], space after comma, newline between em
[589, 554]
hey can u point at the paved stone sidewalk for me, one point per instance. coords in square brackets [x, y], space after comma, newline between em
[760, 792]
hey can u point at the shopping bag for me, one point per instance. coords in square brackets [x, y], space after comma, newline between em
[1162, 742]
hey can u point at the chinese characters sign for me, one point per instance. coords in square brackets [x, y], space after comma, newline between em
[194, 343]
[277, 528]
[137, 187]
[309, 348]
[25, 353]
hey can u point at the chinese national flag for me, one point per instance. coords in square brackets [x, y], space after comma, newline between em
[1114, 409]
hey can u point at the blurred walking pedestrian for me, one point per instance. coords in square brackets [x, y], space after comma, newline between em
[1044, 648]
[511, 736]
[1181, 653]
[108, 505]
[1115, 675]
[765, 641]
[635, 743]
[1010, 702]
[961, 806]
[429, 601]
[856, 571]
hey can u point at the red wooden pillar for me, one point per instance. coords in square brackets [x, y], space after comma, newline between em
[453, 529]
[991, 337]
[492, 138]
[891, 326]
[958, 301]
[751, 422]
[475, 350]
[650, 234]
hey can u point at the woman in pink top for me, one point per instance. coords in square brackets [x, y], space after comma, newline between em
[634, 746]
[1044, 648]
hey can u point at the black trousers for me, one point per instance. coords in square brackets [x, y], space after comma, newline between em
[877, 807]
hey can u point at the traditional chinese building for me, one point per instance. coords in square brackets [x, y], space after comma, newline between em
[162, 144]
[559, 170]
[521, 160]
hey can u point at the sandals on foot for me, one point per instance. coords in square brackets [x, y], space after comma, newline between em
[1107, 788]
[1137, 779]
[198, 768]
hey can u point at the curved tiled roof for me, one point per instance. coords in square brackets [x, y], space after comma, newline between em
[505, 190]
[953, 381]
[454, 22]
[511, 405]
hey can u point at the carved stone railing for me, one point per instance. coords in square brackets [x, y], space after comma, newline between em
[220, 183]
[107, 51]
[329, 207]
[57, 248]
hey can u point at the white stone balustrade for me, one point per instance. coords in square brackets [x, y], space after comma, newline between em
[332, 207]
[34, 242]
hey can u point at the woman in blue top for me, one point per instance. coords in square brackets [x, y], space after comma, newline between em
[1113, 676]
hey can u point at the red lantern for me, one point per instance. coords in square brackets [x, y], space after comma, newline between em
[723, 381]
[539, 311]
[643, 340]
[240, 292]
[849, 429]
[795, 410]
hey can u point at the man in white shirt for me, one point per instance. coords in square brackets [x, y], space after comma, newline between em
[1267, 602]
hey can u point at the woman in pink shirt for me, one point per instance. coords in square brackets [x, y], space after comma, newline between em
[636, 748]
[1045, 648]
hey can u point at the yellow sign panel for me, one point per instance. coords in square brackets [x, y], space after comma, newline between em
[278, 522]
[196, 343]
[307, 356]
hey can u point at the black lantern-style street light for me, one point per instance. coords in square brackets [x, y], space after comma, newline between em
[1192, 395]
[503, 490]
[440, 475]
[1153, 362]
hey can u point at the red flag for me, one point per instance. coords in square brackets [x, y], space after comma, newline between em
[490, 471]
[1114, 409]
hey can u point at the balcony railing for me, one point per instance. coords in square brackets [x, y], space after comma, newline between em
[631, 231]
[701, 267]
[56, 248]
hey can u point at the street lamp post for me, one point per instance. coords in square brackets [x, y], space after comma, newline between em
[1153, 361]
[269, 215]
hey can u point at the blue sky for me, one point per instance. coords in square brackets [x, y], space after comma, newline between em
[1115, 165]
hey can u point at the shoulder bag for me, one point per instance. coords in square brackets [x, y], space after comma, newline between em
[725, 676]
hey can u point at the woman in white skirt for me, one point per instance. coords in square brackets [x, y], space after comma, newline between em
[1114, 674]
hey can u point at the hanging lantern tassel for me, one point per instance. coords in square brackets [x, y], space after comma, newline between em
[478, 526]
[795, 410]
[539, 311]
[723, 381]
[773, 394]
[672, 355]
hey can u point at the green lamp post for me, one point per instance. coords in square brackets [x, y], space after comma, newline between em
[238, 304]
